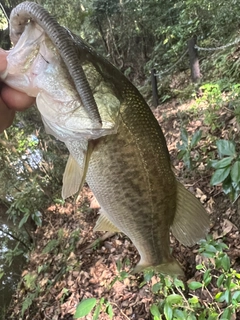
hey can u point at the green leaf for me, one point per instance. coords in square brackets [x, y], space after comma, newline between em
[184, 136]
[179, 314]
[196, 138]
[226, 314]
[30, 281]
[182, 147]
[235, 172]
[168, 312]
[37, 218]
[199, 267]
[28, 302]
[23, 220]
[220, 175]
[52, 244]
[85, 307]
[226, 148]
[210, 248]
[227, 296]
[187, 160]
[225, 162]
[156, 287]
[109, 311]
[228, 282]
[181, 154]
[193, 300]
[195, 285]
[168, 282]
[236, 296]
[174, 299]
[148, 274]
[220, 246]
[220, 280]
[1, 273]
[97, 311]
[154, 310]
[213, 316]
[225, 262]
[178, 283]
[207, 278]
[227, 185]
[220, 296]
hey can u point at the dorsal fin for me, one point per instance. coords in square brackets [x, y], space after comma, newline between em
[191, 222]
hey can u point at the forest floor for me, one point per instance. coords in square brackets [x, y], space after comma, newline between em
[62, 270]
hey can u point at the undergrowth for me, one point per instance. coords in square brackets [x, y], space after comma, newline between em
[214, 296]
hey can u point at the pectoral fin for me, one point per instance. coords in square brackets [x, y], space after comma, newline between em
[74, 175]
[104, 224]
[191, 222]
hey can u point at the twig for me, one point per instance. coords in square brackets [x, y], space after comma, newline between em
[184, 298]
[46, 315]
[120, 310]
[4, 12]
[99, 240]
[15, 238]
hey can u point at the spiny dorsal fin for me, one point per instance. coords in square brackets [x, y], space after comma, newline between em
[191, 222]
[104, 224]
[72, 177]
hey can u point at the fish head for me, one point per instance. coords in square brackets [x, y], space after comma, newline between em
[36, 68]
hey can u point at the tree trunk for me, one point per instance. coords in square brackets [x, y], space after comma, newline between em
[194, 63]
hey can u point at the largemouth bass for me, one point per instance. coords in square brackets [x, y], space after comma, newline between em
[119, 149]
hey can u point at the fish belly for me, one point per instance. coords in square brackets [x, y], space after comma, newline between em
[130, 175]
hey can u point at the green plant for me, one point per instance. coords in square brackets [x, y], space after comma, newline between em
[227, 169]
[212, 97]
[122, 274]
[176, 302]
[12, 253]
[86, 306]
[30, 284]
[188, 152]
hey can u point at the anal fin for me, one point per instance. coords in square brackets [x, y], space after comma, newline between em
[104, 224]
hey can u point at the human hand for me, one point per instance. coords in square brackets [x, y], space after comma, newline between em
[11, 100]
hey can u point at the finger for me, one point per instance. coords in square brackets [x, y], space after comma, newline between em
[16, 100]
[6, 117]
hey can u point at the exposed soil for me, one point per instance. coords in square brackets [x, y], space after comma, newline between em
[67, 271]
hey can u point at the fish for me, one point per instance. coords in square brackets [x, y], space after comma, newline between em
[125, 159]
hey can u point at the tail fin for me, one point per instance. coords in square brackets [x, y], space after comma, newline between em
[170, 268]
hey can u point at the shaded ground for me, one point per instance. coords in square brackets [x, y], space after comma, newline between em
[62, 270]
